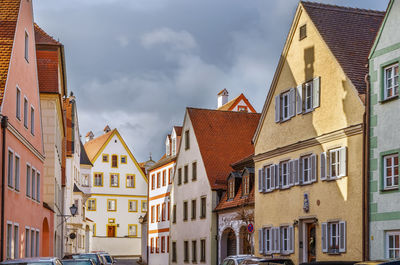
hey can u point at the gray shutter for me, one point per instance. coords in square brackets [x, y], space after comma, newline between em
[324, 237]
[323, 166]
[342, 236]
[272, 235]
[313, 168]
[260, 186]
[277, 173]
[280, 176]
[272, 172]
[260, 241]
[265, 188]
[299, 93]
[278, 241]
[266, 251]
[296, 172]
[316, 92]
[277, 108]
[301, 173]
[291, 173]
[263, 179]
[343, 161]
[291, 239]
[292, 102]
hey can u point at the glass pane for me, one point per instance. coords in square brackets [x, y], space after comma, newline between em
[396, 241]
[390, 241]
[391, 254]
[396, 181]
[389, 171]
[389, 182]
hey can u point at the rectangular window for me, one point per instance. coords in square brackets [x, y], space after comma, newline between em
[38, 244]
[164, 177]
[132, 230]
[308, 97]
[33, 194]
[167, 244]
[194, 251]
[179, 176]
[152, 181]
[186, 251]
[173, 252]
[193, 209]
[98, 179]
[92, 205]
[303, 32]
[393, 245]
[174, 214]
[391, 171]
[268, 177]
[194, 171]
[114, 161]
[130, 181]
[306, 163]
[168, 210]
[32, 121]
[285, 102]
[185, 174]
[26, 46]
[284, 174]
[185, 211]
[158, 179]
[231, 189]
[111, 205]
[38, 186]
[25, 113]
[105, 158]
[10, 176]
[114, 180]
[187, 140]
[123, 160]
[158, 213]
[391, 81]
[285, 244]
[28, 180]
[203, 207]
[152, 214]
[334, 161]
[203, 250]
[246, 185]
[152, 245]
[163, 212]
[16, 241]
[268, 240]
[9, 241]
[33, 243]
[132, 205]
[334, 237]
[157, 245]
[163, 244]
[170, 175]
[144, 206]
[27, 243]
[18, 104]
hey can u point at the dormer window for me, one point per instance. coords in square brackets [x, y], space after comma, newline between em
[167, 148]
[173, 146]
[231, 189]
[246, 185]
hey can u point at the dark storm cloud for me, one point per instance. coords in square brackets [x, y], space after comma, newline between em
[136, 65]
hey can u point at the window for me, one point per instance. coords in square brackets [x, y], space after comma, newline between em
[285, 106]
[158, 216]
[179, 176]
[164, 178]
[185, 211]
[194, 251]
[98, 179]
[203, 250]
[194, 170]
[9, 241]
[391, 81]
[163, 244]
[174, 214]
[284, 176]
[25, 113]
[334, 237]
[391, 171]
[144, 206]
[32, 243]
[231, 189]
[268, 240]
[173, 146]
[269, 174]
[173, 252]
[308, 97]
[186, 251]
[284, 231]
[152, 245]
[16, 241]
[10, 168]
[193, 209]
[246, 185]
[76, 203]
[132, 230]
[33, 177]
[167, 244]
[203, 207]
[157, 244]
[334, 165]
[18, 104]
[114, 180]
[152, 214]
[92, 205]
[158, 179]
[111, 205]
[393, 245]
[163, 212]
[153, 181]
[32, 121]
[303, 32]
[168, 210]
[26, 46]
[132, 206]
[130, 181]
[28, 180]
[170, 175]
[38, 186]
[187, 143]
[105, 158]
[242, 109]
[123, 160]
[27, 241]
[185, 174]
[37, 244]
[114, 161]
[306, 163]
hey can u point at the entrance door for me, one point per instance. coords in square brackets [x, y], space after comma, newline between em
[311, 242]
[111, 230]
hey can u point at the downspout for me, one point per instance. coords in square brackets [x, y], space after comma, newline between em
[366, 162]
[4, 124]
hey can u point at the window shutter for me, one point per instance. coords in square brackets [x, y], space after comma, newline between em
[277, 108]
[272, 235]
[296, 172]
[292, 102]
[301, 173]
[280, 176]
[342, 235]
[261, 241]
[291, 172]
[278, 239]
[323, 166]
[263, 187]
[299, 93]
[260, 188]
[291, 239]
[313, 168]
[316, 92]
[343, 161]
[272, 172]
[277, 173]
[324, 237]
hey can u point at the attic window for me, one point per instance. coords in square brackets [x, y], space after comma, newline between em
[303, 32]
[231, 189]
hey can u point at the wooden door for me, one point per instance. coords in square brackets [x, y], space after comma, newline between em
[111, 230]
[311, 243]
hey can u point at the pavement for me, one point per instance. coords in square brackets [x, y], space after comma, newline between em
[126, 262]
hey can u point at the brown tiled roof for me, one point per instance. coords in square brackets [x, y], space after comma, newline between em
[232, 104]
[237, 201]
[349, 34]
[9, 10]
[223, 138]
[178, 130]
[93, 146]
[41, 37]
[47, 65]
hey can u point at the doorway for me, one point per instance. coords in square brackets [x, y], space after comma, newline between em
[310, 242]
[111, 230]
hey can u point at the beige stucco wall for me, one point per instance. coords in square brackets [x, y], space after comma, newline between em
[340, 107]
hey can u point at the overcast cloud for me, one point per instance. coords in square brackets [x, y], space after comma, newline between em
[137, 64]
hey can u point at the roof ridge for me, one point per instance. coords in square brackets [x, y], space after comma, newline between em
[218, 110]
[36, 26]
[344, 8]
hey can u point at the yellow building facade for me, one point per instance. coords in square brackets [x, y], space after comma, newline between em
[309, 146]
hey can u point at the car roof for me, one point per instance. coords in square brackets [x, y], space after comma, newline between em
[38, 259]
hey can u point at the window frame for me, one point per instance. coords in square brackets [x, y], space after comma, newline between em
[283, 107]
[203, 207]
[133, 181]
[337, 163]
[164, 177]
[308, 169]
[129, 204]
[101, 174]
[186, 174]
[174, 214]
[116, 160]
[194, 171]
[186, 257]
[282, 230]
[193, 209]
[26, 46]
[18, 103]
[26, 112]
[105, 158]
[203, 250]
[187, 140]
[111, 180]
[308, 85]
[124, 157]
[284, 164]
[10, 168]
[395, 233]
[194, 251]
[136, 231]
[385, 88]
[333, 249]
[144, 206]
[90, 203]
[392, 156]
[185, 213]
[115, 204]
[179, 176]
[32, 120]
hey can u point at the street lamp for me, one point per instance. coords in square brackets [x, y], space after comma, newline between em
[141, 218]
[73, 209]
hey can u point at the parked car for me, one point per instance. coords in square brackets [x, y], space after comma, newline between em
[267, 261]
[235, 259]
[34, 261]
[78, 262]
[379, 262]
[108, 258]
[97, 259]
[339, 262]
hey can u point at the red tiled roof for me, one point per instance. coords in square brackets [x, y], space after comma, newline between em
[9, 10]
[223, 138]
[178, 130]
[47, 65]
[237, 201]
[349, 34]
[93, 146]
[233, 103]
[41, 37]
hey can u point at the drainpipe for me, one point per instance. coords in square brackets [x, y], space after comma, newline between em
[366, 187]
[4, 124]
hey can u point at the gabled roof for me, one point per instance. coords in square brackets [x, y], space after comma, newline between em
[178, 130]
[349, 34]
[41, 37]
[84, 159]
[223, 137]
[223, 91]
[230, 105]
[9, 10]
[238, 201]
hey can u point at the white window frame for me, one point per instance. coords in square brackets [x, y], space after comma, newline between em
[285, 95]
[394, 249]
[268, 177]
[393, 167]
[284, 175]
[308, 95]
[268, 249]
[336, 164]
[113, 183]
[306, 169]
[394, 88]
[284, 239]
[333, 226]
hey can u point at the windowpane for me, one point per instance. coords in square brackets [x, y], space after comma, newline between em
[130, 181]
[17, 173]
[114, 180]
[26, 47]
[25, 112]
[38, 187]
[32, 120]
[185, 174]
[391, 76]
[16, 242]
[391, 170]
[9, 240]
[18, 104]
[28, 181]
[10, 168]
[114, 161]
[33, 177]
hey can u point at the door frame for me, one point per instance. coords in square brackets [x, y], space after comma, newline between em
[115, 229]
[303, 255]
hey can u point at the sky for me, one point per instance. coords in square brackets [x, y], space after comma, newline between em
[135, 65]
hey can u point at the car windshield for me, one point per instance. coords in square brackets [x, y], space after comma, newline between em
[239, 260]
[108, 258]
[77, 262]
[87, 256]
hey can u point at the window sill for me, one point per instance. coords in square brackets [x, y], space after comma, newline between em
[383, 101]
[390, 189]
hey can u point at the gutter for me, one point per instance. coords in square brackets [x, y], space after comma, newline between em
[4, 124]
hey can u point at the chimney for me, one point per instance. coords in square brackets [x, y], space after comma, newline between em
[222, 97]
[89, 136]
[106, 129]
